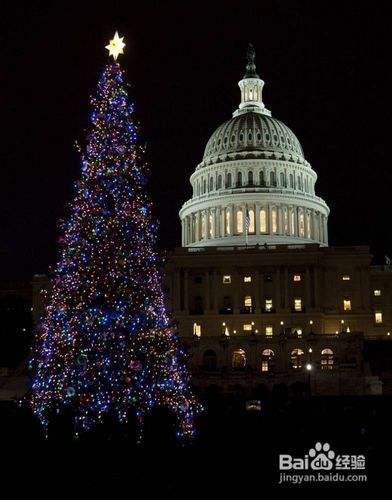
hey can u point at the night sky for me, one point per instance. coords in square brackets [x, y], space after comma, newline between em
[327, 76]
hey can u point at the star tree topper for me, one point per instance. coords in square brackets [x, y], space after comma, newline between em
[116, 46]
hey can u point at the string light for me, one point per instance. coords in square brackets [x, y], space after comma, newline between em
[105, 342]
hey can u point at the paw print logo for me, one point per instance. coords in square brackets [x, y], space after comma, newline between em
[322, 456]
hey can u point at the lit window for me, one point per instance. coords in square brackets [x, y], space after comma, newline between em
[301, 223]
[238, 359]
[377, 293]
[347, 304]
[248, 301]
[211, 226]
[263, 220]
[326, 359]
[264, 366]
[203, 226]
[267, 359]
[297, 277]
[378, 317]
[292, 222]
[297, 304]
[346, 277]
[227, 221]
[308, 231]
[296, 358]
[286, 221]
[226, 279]
[274, 220]
[251, 215]
[269, 330]
[196, 329]
[247, 327]
[247, 279]
[240, 222]
[268, 305]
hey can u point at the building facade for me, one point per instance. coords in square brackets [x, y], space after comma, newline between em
[259, 296]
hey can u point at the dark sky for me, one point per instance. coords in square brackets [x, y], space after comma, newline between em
[327, 74]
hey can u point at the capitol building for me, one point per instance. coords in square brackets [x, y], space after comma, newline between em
[258, 294]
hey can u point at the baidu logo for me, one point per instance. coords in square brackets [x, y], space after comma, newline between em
[321, 458]
[321, 464]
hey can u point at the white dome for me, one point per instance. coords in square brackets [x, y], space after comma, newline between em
[253, 185]
[253, 133]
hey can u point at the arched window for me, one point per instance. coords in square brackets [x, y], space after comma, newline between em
[204, 186]
[285, 221]
[291, 181]
[211, 183]
[251, 215]
[219, 182]
[239, 179]
[274, 220]
[197, 229]
[261, 178]
[299, 185]
[203, 225]
[301, 224]
[296, 358]
[292, 222]
[210, 361]
[240, 221]
[263, 220]
[227, 221]
[327, 359]
[282, 179]
[228, 180]
[248, 304]
[238, 359]
[211, 226]
[267, 360]
[250, 178]
[272, 179]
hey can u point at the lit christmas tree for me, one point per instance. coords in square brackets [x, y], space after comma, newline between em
[105, 344]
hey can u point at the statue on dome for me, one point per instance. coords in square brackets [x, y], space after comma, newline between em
[251, 65]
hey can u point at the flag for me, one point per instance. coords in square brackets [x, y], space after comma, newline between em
[247, 220]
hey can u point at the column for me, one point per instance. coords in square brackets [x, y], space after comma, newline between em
[325, 230]
[270, 219]
[205, 218]
[231, 220]
[280, 220]
[182, 232]
[243, 220]
[257, 218]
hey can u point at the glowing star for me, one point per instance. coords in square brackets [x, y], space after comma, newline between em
[116, 46]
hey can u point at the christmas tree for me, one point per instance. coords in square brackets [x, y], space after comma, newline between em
[105, 342]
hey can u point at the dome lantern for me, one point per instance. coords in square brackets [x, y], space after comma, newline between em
[251, 88]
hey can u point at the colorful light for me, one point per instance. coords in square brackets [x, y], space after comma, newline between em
[105, 342]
